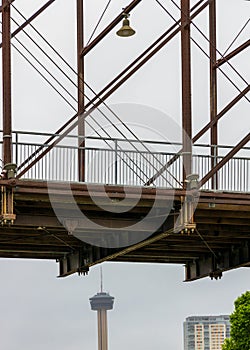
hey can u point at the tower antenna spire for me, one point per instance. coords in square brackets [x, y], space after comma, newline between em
[101, 279]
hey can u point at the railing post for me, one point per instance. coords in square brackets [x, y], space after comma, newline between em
[116, 162]
[16, 140]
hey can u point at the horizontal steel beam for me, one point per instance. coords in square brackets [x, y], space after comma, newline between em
[58, 251]
[236, 256]
[79, 261]
[72, 263]
[107, 225]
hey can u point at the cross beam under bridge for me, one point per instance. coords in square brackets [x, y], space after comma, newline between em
[220, 241]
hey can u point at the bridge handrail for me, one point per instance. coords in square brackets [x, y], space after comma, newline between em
[123, 150]
[115, 161]
[174, 143]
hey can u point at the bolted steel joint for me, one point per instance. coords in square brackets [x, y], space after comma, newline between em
[10, 170]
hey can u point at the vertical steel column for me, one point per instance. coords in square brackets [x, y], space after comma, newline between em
[80, 70]
[186, 90]
[6, 67]
[213, 90]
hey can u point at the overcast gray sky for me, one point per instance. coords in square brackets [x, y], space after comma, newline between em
[151, 301]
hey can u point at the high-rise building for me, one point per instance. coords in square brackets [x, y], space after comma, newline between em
[206, 332]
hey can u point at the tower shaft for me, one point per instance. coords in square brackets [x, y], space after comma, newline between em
[102, 330]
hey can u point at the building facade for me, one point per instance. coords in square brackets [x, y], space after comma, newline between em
[206, 332]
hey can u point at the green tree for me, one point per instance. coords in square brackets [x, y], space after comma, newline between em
[240, 325]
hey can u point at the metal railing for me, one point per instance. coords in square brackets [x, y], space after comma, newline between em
[126, 162]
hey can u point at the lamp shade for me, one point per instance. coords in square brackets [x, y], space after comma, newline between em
[125, 30]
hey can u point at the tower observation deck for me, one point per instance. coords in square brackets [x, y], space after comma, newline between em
[101, 301]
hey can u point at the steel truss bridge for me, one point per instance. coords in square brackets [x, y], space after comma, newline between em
[83, 200]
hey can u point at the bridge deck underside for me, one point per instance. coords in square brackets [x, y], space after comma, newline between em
[220, 242]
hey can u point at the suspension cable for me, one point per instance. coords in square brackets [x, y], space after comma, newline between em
[46, 69]
[99, 21]
[206, 244]
[236, 37]
[41, 228]
[42, 75]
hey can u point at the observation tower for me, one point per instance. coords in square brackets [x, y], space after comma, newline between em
[101, 302]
